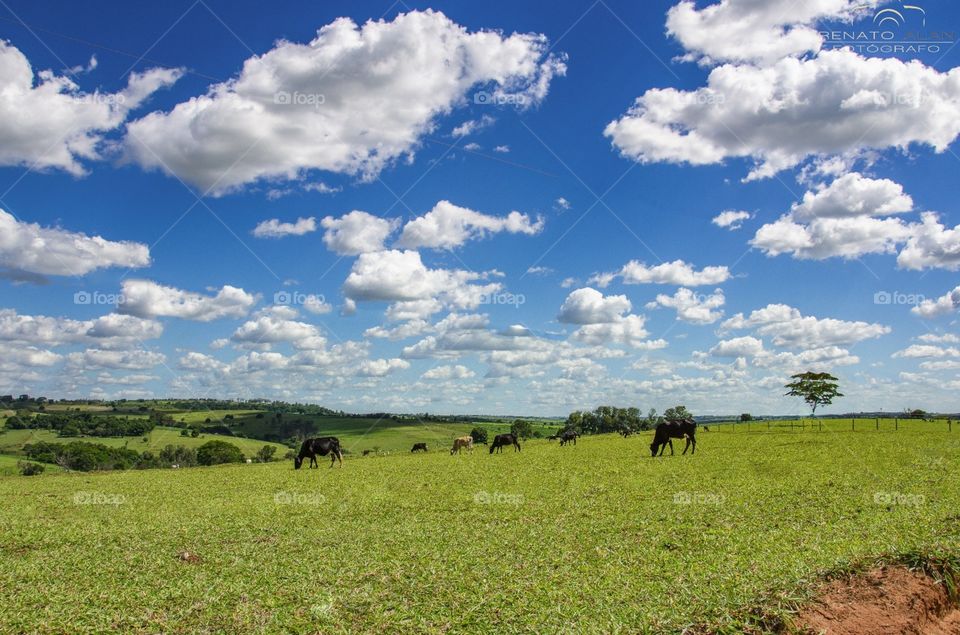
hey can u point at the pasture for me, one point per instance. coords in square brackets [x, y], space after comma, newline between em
[596, 537]
[8, 465]
[385, 435]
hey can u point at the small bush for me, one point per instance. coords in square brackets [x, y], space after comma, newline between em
[479, 435]
[30, 469]
[217, 452]
[265, 454]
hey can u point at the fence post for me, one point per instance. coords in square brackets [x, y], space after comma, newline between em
[896, 423]
[853, 425]
[878, 423]
[949, 425]
[821, 426]
[768, 425]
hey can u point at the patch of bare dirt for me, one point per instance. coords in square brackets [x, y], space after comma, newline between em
[884, 601]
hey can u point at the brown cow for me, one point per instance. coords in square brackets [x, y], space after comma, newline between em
[462, 442]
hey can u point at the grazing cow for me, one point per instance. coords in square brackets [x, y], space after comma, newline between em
[419, 447]
[625, 432]
[504, 439]
[367, 452]
[567, 436]
[323, 446]
[554, 437]
[669, 430]
[460, 443]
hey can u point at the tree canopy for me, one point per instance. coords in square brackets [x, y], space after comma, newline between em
[817, 389]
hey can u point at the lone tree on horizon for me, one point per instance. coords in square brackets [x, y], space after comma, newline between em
[817, 389]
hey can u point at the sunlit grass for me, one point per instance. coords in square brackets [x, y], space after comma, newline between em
[593, 538]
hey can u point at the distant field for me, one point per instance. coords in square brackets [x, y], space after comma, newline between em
[8, 466]
[596, 537]
[830, 425]
[387, 435]
[54, 407]
[200, 416]
[13, 440]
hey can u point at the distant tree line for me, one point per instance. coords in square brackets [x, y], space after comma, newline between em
[88, 457]
[75, 424]
[606, 419]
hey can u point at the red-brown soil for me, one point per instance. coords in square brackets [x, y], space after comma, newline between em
[884, 601]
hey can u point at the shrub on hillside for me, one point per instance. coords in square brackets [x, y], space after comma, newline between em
[30, 469]
[265, 454]
[217, 452]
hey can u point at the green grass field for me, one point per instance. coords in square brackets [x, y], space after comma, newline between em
[593, 538]
[8, 465]
[11, 441]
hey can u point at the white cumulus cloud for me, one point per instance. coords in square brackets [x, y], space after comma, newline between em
[273, 228]
[148, 299]
[28, 247]
[352, 100]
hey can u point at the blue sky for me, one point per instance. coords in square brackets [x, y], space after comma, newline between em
[502, 209]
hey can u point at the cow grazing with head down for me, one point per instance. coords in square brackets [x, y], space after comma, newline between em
[312, 448]
[461, 443]
[502, 440]
[669, 430]
[419, 447]
[567, 436]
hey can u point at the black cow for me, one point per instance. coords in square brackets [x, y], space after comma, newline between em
[323, 446]
[669, 430]
[419, 447]
[567, 436]
[504, 439]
